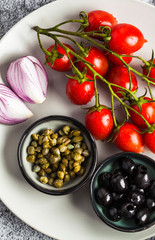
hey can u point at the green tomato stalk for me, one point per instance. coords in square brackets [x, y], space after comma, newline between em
[105, 34]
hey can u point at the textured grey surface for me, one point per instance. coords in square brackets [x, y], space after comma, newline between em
[11, 11]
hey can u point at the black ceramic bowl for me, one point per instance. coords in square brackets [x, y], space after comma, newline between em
[109, 165]
[55, 123]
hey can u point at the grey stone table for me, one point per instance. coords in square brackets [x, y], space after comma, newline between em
[11, 11]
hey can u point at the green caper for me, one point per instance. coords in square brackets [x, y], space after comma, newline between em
[53, 175]
[77, 168]
[77, 145]
[31, 158]
[76, 133]
[66, 129]
[39, 155]
[81, 172]
[82, 159]
[45, 139]
[62, 167]
[65, 162]
[31, 150]
[67, 152]
[36, 168]
[55, 167]
[70, 146]
[62, 148]
[38, 149]
[85, 153]
[84, 146]
[56, 151]
[42, 160]
[53, 142]
[45, 166]
[50, 181]
[58, 183]
[40, 140]
[54, 136]
[46, 144]
[35, 136]
[60, 174]
[66, 178]
[71, 164]
[72, 174]
[42, 172]
[43, 179]
[54, 159]
[77, 139]
[47, 132]
[78, 150]
[61, 133]
[76, 164]
[45, 151]
[77, 157]
[34, 144]
[48, 170]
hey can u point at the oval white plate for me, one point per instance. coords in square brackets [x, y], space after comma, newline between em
[67, 217]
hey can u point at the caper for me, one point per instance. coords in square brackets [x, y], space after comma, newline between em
[36, 168]
[31, 150]
[70, 146]
[42, 172]
[66, 178]
[65, 162]
[34, 144]
[45, 166]
[48, 170]
[76, 133]
[54, 159]
[61, 133]
[77, 145]
[76, 164]
[58, 183]
[31, 158]
[53, 142]
[46, 144]
[62, 167]
[56, 151]
[53, 175]
[47, 132]
[42, 160]
[54, 136]
[77, 168]
[50, 181]
[77, 139]
[35, 136]
[67, 152]
[84, 146]
[40, 140]
[45, 151]
[78, 150]
[43, 179]
[72, 174]
[82, 159]
[62, 148]
[38, 149]
[66, 129]
[81, 172]
[55, 167]
[60, 174]
[71, 164]
[85, 153]
[45, 139]
[39, 155]
[77, 157]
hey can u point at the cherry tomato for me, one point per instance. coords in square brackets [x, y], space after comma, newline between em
[148, 112]
[119, 76]
[149, 139]
[116, 61]
[152, 72]
[128, 139]
[99, 123]
[99, 18]
[61, 64]
[126, 38]
[80, 93]
[97, 58]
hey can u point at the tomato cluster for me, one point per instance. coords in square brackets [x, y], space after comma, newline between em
[125, 40]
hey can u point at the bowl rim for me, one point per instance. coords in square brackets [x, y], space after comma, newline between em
[60, 191]
[104, 162]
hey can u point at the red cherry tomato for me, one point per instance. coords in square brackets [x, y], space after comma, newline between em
[126, 38]
[148, 112]
[116, 61]
[152, 72]
[128, 139]
[61, 64]
[97, 58]
[119, 75]
[149, 140]
[80, 93]
[99, 18]
[99, 123]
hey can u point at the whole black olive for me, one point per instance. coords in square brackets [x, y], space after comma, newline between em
[117, 196]
[142, 216]
[133, 187]
[118, 171]
[104, 179]
[103, 196]
[127, 165]
[141, 167]
[113, 213]
[142, 179]
[136, 197]
[150, 203]
[128, 210]
[119, 184]
[151, 189]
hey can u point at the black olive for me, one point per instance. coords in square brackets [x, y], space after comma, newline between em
[127, 165]
[113, 213]
[103, 196]
[119, 184]
[128, 210]
[142, 216]
[150, 203]
[141, 167]
[104, 179]
[142, 179]
[133, 187]
[136, 197]
[117, 196]
[151, 189]
[119, 171]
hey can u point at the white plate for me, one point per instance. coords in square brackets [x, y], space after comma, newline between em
[68, 217]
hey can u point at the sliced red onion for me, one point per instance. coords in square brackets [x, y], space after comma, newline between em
[12, 109]
[28, 79]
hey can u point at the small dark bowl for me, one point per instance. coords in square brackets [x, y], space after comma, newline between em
[109, 165]
[55, 123]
